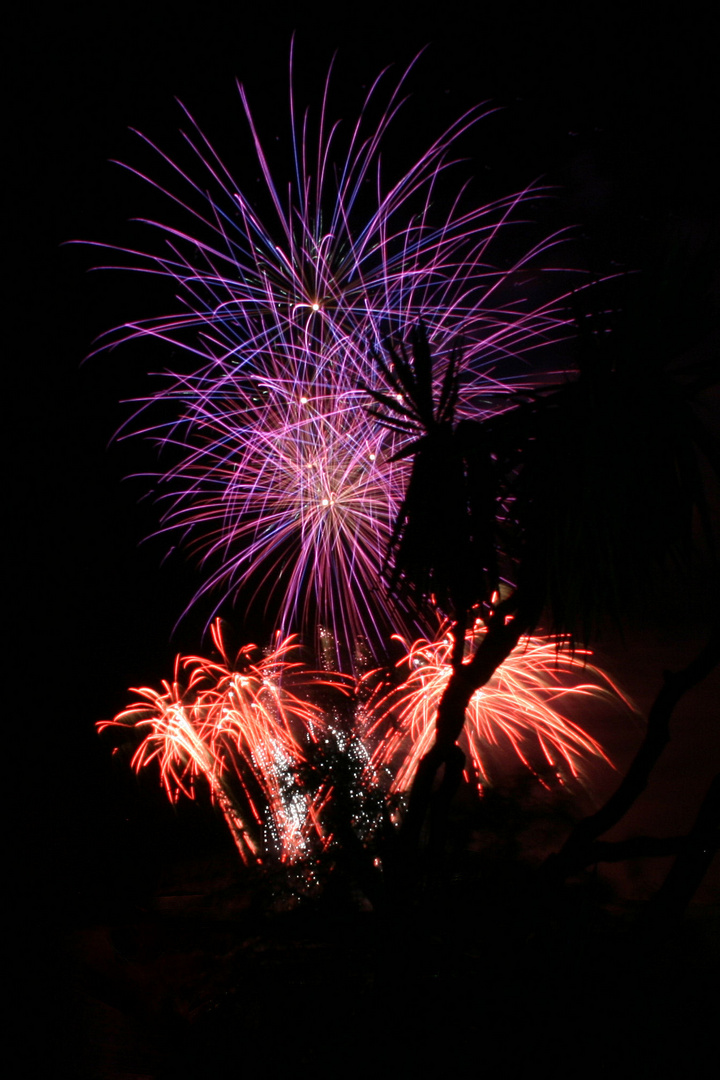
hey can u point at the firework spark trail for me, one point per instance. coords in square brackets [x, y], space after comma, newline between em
[516, 709]
[277, 476]
[173, 739]
[243, 727]
[259, 723]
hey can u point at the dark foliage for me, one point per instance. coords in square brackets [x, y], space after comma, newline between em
[567, 510]
[576, 496]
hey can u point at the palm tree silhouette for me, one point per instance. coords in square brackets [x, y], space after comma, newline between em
[564, 512]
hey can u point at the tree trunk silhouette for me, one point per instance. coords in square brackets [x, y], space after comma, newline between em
[497, 644]
[579, 849]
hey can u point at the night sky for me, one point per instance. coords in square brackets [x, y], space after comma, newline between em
[617, 111]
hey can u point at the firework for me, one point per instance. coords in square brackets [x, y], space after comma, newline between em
[278, 759]
[245, 725]
[275, 473]
[169, 721]
[518, 710]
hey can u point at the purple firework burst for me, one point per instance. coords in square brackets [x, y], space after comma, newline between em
[277, 474]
